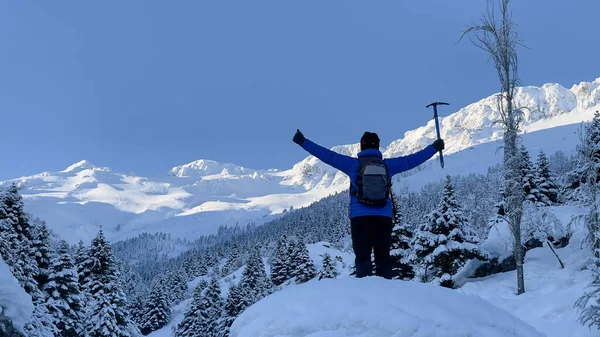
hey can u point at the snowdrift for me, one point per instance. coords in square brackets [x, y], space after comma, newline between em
[374, 307]
[15, 303]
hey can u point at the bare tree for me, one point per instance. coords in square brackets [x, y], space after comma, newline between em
[499, 38]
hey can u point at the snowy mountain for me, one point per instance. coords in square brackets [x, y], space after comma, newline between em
[196, 198]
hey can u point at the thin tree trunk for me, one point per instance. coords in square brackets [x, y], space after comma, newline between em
[562, 266]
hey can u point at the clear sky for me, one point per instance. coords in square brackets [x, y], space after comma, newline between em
[141, 86]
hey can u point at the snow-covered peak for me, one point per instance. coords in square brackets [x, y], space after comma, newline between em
[197, 197]
[478, 122]
[204, 167]
[80, 165]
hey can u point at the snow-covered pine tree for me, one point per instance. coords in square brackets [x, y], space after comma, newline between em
[64, 296]
[446, 241]
[44, 252]
[233, 261]
[22, 259]
[136, 309]
[20, 238]
[589, 168]
[5, 231]
[83, 263]
[211, 310]
[234, 305]
[305, 268]
[108, 314]
[279, 263]
[400, 247]
[175, 285]
[545, 184]
[254, 283]
[189, 326]
[292, 251]
[157, 312]
[529, 177]
[587, 164]
[329, 270]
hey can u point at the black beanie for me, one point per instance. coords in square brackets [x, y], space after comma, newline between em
[369, 140]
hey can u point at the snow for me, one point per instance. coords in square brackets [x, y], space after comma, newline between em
[550, 292]
[15, 303]
[375, 307]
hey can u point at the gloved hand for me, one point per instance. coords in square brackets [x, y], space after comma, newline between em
[299, 138]
[438, 144]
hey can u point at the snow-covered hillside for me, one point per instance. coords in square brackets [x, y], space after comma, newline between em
[486, 306]
[195, 198]
[374, 307]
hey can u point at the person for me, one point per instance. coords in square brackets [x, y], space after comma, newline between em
[370, 199]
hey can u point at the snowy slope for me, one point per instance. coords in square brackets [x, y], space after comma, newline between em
[195, 198]
[374, 307]
[15, 303]
[551, 291]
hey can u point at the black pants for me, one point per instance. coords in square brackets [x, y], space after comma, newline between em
[372, 234]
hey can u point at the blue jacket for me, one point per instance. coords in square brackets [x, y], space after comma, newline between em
[350, 165]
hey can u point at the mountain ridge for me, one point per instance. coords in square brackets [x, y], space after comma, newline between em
[195, 198]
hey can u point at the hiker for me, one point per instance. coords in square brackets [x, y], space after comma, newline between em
[370, 195]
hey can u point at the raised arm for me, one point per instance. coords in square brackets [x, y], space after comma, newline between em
[332, 158]
[405, 163]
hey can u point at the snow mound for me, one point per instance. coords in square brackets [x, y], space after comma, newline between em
[15, 303]
[375, 307]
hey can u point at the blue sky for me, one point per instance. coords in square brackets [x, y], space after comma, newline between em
[141, 86]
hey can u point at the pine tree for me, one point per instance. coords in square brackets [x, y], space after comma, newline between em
[589, 168]
[84, 265]
[64, 296]
[445, 242]
[43, 251]
[254, 283]
[329, 270]
[108, 314]
[234, 305]
[22, 259]
[211, 310]
[400, 247]
[136, 309]
[175, 285]
[189, 326]
[529, 177]
[279, 264]
[291, 261]
[20, 238]
[587, 164]
[233, 261]
[305, 268]
[546, 186]
[157, 313]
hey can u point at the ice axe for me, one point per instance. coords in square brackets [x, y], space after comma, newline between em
[437, 125]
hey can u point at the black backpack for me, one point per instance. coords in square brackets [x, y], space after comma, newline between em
[373, 182]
